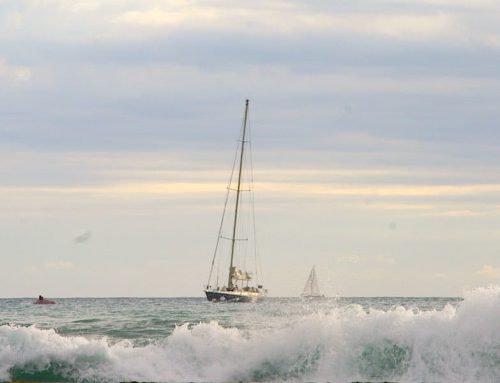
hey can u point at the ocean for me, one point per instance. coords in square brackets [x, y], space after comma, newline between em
[278, 340]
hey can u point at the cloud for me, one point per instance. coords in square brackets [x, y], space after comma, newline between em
[381, 191]
[309, 189]
[385, 260]
[358, 259]
[430, 21]
[19, 73]
[145, 93]
[308, 175]
[364, 105]
[79, 6]
[489, 272]
[460, 213]
[294, 19]
[351, 258]
[441, 275]
[59, 265]
[161, 18]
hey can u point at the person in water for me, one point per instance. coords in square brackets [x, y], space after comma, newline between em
[42, 301]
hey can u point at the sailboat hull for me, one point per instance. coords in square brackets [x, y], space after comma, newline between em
[235, 296]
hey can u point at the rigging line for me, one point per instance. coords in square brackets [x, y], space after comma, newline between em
[252, 201]
[223, 214]
[218, 238]
[236, 206]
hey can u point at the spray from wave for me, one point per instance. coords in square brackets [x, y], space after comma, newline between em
[456, 344]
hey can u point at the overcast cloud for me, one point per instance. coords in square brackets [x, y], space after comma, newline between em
[374, 123]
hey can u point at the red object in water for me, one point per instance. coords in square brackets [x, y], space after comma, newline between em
[44, 302]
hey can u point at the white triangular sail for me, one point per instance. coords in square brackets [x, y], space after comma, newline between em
[311, 288]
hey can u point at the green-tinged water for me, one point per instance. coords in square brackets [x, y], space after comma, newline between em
[280, 339]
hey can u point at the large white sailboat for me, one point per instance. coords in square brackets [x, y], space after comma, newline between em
[311, 288]
[236, 243]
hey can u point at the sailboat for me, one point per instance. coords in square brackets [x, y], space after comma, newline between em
[311, 288]
[238, 221]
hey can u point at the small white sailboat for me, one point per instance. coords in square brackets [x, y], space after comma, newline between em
[239, 224]
[311, 288]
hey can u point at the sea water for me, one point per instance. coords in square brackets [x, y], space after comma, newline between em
[280, 339]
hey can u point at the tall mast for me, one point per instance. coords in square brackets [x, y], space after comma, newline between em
[238, 190]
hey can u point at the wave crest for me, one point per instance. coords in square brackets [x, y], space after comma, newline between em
[458, 343]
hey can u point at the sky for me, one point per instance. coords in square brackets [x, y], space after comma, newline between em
[375, 139]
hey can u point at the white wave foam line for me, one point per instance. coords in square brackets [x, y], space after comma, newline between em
[22, 346]
[347, 344]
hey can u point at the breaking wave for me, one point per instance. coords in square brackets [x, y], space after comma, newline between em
[456, 344]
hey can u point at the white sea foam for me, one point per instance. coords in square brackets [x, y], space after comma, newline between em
[456, 344]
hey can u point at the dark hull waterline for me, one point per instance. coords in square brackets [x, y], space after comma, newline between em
[234, 296]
